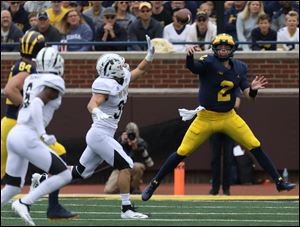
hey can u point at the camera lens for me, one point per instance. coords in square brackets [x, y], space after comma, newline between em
[131, 135]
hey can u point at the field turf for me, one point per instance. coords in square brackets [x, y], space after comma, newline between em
[106, 212]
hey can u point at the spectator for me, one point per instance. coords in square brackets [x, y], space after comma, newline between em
[228, 5]
[36, 6]
[202, 30]
[134, 8]
[56, 12]
[230, 17]
[208, 8]
[111, 31]
[290, 32]
[4, 5]
[278, 19]
[137, 149]
[44, 27]
[247, 21]
[78, 5]
[10, 33]
[144, 25]
[32, 18]
[177, 5]
[19, 15]
[173, 6]
[160, 13]
[65, 4]
[176, 32]
[76, 30]
[124, 17]
[95, 12]
[263, 33]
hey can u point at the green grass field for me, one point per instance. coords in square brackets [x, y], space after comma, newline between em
[103, 212]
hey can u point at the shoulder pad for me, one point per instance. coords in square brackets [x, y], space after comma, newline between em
[55, 82]
[103, 86]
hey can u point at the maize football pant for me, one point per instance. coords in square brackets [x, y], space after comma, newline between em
[208, 122]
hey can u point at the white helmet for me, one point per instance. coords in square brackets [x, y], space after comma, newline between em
[49, 60]
[111, 66]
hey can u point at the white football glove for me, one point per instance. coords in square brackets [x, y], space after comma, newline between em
[99, 115]
[48, 139]
[150, 50]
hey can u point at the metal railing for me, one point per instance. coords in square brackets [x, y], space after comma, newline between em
[144, 43]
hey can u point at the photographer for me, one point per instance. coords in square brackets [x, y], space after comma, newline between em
[136, 148]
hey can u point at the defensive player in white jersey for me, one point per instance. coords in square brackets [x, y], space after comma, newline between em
[110, 92]
[28, 140]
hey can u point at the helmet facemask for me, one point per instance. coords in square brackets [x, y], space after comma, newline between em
[223, 47]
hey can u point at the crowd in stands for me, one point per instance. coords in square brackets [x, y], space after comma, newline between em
[105, 21]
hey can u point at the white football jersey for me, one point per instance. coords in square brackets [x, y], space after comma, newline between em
[117, 97]
[33, 85]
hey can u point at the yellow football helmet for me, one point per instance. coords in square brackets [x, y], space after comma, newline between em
[31, 43]
[223, 39]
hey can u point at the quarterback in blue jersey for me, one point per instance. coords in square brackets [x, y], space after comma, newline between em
[220, 76]
[30, 44]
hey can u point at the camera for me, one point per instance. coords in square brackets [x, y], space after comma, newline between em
[131, 135]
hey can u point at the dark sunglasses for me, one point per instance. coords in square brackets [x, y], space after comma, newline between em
[201, 20]
[145, 11]
[110, 17]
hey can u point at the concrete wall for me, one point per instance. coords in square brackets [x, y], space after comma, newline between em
[168, 71]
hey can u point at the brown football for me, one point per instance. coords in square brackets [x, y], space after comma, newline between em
[183, 16]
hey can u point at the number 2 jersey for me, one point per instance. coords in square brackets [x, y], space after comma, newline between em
[11, 110]
[219, 85]
[117, 97]
[33, 86]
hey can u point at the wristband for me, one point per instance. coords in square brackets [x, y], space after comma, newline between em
[252, 93]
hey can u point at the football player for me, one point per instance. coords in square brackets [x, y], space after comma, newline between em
[31, 43]
[220, 76]
[28, 140]
[110, 92]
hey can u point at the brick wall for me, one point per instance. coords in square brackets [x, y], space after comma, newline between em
[167, 71]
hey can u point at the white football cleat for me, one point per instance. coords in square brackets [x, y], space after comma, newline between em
[37, 179]
[131, 214]
[23, 211]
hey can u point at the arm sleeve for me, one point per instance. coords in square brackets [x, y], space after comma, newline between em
[36, 112]
[195, 67]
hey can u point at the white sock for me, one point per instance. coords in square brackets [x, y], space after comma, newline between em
[125, 199]
[52, 184]
[8, 192]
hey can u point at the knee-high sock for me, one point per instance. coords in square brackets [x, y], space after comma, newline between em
[51, 184]
[53, 200]
[8, 192]
[266, 163]
[169, 165]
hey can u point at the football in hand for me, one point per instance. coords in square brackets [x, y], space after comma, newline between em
[183, 16]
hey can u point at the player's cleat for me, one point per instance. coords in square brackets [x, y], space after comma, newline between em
[128, 212]
[37, 179]
[60, 213]
[284, 186]
[213, 192]
[149, 190]
[23, 211]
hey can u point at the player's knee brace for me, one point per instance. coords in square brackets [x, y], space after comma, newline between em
[120, 163]
[57, 165]
[77, 172]
[13, 181]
